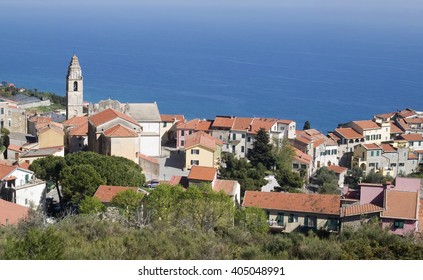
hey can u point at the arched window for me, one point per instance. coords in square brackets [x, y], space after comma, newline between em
[75, 86]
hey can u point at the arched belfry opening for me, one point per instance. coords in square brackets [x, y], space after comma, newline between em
[75, 86]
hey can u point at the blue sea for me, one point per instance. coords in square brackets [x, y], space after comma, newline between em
[324, 61]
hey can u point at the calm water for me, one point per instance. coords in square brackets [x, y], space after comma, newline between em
[323, 64]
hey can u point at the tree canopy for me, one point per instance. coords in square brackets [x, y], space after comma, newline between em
[262, 150]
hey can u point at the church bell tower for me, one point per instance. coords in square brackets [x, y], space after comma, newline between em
[74, 90]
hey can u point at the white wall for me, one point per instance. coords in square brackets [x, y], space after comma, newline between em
[150, 145]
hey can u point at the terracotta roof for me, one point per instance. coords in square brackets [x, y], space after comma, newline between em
[223, 121]
[318, 142]
[403, 124]
[333, 136]
[294, 202]
[413, 120]
[202, 173]
[371, 147]
[13, 147]
[395, 129]
[179, 180]
[355, 210]
[6, 170]
[419, 151]
[227, 186]
[108, 115]
[201, 138]
[120, 131]
[367, 124]
[285, 121]
[305, 139]
[242, 124]
[387, 148]
[421, 215]
[337, 169]
[24, 165]
[11, 213]
[412, 137]
[302, 157]
[195, 124]
[172, 118]
[147, 158]
[348, 133]
[79, 130]
[40, 119]
[76, 121]
[406, 113]
[412, 156]
[264, 123]
[386, 115]
[51, 126]
[106, 193]
[401, 204]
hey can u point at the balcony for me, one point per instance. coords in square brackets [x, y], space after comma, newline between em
[275, 225]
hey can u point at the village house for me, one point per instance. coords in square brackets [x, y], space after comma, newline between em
[202, 149]
[340, 173]
[76, 134]
[346, 138]
[415, 140]
[288, 212]
[11, 213]
[111, 132]
[188, 128]
[302, 163]
[106, 193]
[11, 117]
[239, 141]
[30, 155]
[19, 185]
[168, 128]
[221, 129]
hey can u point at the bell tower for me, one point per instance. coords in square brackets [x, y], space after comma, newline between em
[74, 90]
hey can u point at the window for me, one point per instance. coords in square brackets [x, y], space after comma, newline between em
[398, 224]
[182, 132]
[195, 152]
[310, 221]
[279, 219]
[303, 166]
[182, 142]
[165, 124]
[242, 149]
[195, 162]
[295, 165]
[372, 153]
[371, 164]
[243, 136]
[190, 132]
[401, 164]
[377, 153]
[367, 137]
[248, 139]
[233, 136]
[10, 122]
[233, 149]
[393, 164]
[334, 152]
[332, 224]
[292, 218]
[2, 111]
[26, 178]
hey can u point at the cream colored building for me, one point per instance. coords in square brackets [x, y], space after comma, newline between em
[51, 135]
[202, 149]
[74, 89]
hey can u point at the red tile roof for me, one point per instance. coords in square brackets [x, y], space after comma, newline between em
[40, 119]
[355, 210]
[371, 147]
[172, 118]
[242, 124]
[264, 123]
[403, 124]
[6, 170]
[224, 122]
[51, 126]
[13, 147]
[412, 156]
[108, 115]
[421, 215]
[195, 124]
[386, 116]
[227, 186]
[348, 133]
[202, 173]
[419, 151]
[406, 113]
[76, 121]
[387, 148]
[333, 136]
[318, 142]
[106, 193]
[395, 129]
[337, 169]
[79, 130]
[412, 137]
[414, 120]
[203, 139]
[147, 158]
[294, 202]
[285, 121]
[367, 124]
[401, 204]
[11, 213]
[120, 131]
[302, 157]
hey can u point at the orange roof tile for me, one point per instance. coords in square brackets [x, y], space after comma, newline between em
[40, 119]
[285, 121]
[302, 157]
[264, 123]
[106, 193]
[227, 186]
[414, 120]
[242, 124]
[419, 151]
[401, 204]
[395, 129]
[202, 173]
[108, 115]
[348, 133]
[318, 142]
[224, 122]
[79, 130]
[355, 210]
[13, 147]
[49, 127]
[294, 202]
[412, 137]
[367, 124]
[387, 148]
[403, 124]
[195, 124]
[76, 121]
[11, 213]
[337, 169]
[386, 115]
[24, 165]
[421, 215]
[406, 113]
[201, 138]
[172, 118]
[6, 170]
[371, 147]
[120, 131]
[333, 136]
[147, 158]
[412, 156]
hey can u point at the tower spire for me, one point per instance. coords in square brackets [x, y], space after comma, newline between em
[74, 89]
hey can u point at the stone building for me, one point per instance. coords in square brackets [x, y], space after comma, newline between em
[74, 89]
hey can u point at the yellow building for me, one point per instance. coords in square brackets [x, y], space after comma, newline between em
[51, 135]
[202, 149]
